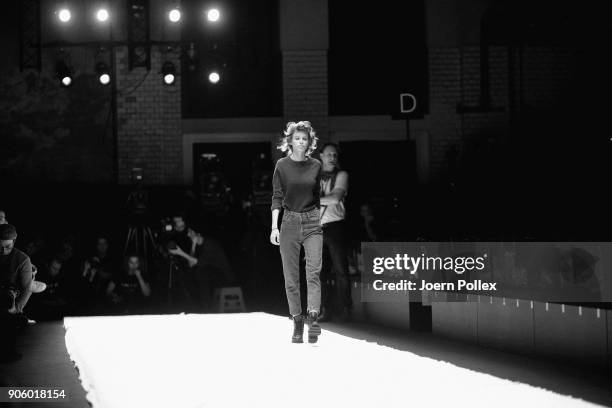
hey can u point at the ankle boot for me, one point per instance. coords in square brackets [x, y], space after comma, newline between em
[314, 330]
[298, 329]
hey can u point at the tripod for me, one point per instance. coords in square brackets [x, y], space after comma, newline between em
[140, 239]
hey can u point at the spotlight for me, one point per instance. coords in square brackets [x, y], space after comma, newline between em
[102, 15]
[174, 15]
[214, 77]
[168, 73]
[64, 74]
[169, 79]
[103, 73]
[213, 15]
[64, 15]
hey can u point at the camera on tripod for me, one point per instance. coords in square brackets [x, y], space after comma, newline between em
[167, 235]
[138, 199]
[166, 225]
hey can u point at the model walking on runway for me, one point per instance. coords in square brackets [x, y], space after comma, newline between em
[296, 184]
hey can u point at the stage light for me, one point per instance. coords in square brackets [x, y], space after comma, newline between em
[174, 15]
[169, 79]
[104, 79]
[103, 73]
[168, 73]
[214, 77]
[102, 15]
[64, 74]
[213, 15]
[64, 15]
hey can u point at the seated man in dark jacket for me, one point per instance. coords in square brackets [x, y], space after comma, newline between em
[16, 286]
[15, 269]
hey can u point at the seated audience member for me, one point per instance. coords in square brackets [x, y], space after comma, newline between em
[57, 299]
[36, 249]
[98, 270]
[35, 286]
[15, 290]
[65, 250]
[15, 269]
[66, 254]
[129, 289]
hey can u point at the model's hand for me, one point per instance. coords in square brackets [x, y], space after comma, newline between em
[275, 236]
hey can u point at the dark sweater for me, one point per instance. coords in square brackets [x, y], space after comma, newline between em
[296, 184]
[16, 272]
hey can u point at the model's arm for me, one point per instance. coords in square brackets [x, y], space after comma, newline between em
[277, 202]
[275, 213]
[339, 191]
[316, 190]
[277, 189]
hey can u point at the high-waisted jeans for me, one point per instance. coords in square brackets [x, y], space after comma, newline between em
[297, 230]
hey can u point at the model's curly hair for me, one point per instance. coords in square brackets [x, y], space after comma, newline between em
[285, 142]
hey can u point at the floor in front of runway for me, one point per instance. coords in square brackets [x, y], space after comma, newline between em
[226, 360]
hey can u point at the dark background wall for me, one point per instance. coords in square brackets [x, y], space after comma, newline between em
[507, 91]
[46, 132]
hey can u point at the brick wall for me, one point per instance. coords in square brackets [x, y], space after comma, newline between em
[542, 75]
[443, 122]
[545, 76]
[149, 120]
[305, 88]
[53, 134]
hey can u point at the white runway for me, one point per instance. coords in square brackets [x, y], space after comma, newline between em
[247, 360]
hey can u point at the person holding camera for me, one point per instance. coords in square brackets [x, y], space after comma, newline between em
[16, 274]
[16, 287]
[182, 244]
[185, 242]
